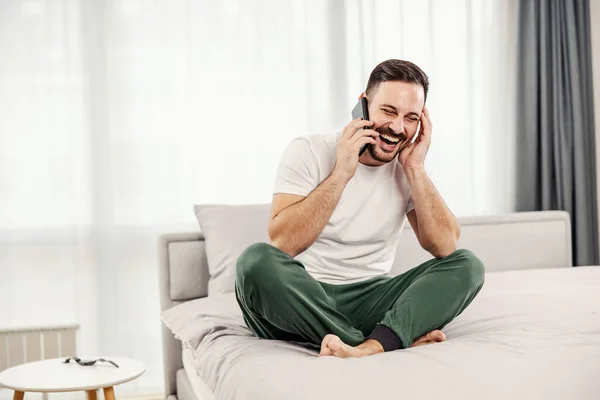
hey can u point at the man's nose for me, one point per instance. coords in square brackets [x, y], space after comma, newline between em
[397, 126]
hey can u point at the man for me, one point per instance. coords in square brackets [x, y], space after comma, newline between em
[335, 222]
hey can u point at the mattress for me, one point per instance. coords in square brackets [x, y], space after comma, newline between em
[200, 389]
[531, 334]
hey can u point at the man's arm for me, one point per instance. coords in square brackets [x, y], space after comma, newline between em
[296, 221]
[294, 228]
[436, 228]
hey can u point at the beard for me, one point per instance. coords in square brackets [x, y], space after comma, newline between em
[385, 156]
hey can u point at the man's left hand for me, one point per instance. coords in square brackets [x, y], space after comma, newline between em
[413, 156]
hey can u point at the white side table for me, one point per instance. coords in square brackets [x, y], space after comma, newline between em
[55, 376]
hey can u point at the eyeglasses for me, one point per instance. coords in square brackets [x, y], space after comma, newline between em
[87, 363]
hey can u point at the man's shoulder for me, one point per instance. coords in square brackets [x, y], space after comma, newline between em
[321, 144]
[325, 138]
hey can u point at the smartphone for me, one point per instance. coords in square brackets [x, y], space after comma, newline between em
[361, 110]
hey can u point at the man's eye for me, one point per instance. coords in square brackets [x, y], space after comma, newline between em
[389, 112]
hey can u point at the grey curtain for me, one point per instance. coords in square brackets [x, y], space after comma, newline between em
[555, 132]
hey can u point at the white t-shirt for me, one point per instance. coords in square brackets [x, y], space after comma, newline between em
[359, 241]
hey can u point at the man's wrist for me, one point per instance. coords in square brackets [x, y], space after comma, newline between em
[339, 176]
[414, 174]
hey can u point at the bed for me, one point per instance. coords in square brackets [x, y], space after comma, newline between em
[532, 332]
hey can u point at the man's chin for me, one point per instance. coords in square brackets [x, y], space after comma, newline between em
[384, 156]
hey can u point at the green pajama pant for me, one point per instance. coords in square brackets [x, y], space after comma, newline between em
[280, 300]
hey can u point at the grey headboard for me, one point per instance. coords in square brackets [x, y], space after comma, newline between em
[503, 242]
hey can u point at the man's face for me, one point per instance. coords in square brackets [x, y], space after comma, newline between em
[395, 108]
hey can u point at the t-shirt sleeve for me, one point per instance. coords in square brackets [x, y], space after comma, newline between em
[411, 205]
[298, 171]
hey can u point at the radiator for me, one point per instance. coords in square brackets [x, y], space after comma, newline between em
[18, 346]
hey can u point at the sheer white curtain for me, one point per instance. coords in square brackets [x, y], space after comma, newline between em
[117, 116]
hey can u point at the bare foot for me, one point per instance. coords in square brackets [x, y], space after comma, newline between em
[332, 345]
[435, 336]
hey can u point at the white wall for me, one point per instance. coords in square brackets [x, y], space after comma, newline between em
[595, 23]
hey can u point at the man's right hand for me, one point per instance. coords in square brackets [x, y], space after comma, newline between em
[352, 139]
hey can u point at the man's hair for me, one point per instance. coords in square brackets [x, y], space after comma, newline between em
[397, 70]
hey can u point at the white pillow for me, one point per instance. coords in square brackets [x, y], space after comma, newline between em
[228, 231]
[191, 321]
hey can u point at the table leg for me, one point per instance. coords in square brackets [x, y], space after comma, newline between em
[18, 395]
[109, 393]
[91, 394]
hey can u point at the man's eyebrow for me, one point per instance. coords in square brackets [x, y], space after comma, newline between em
[389, 106]
[412, 113]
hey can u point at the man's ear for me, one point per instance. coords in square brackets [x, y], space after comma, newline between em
[363, 94]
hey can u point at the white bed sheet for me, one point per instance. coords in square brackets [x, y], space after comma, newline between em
[531, 334]
[201, 390]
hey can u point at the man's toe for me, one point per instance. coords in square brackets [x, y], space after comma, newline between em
[438, 336]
